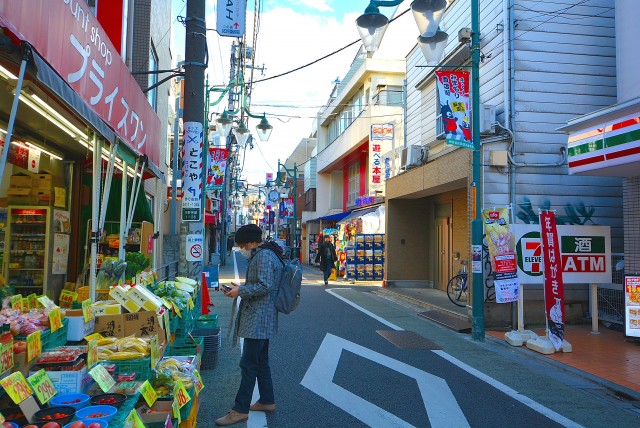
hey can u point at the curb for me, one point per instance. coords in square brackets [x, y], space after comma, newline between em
[390, 295]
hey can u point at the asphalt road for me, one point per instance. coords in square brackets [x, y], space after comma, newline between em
[332, 368]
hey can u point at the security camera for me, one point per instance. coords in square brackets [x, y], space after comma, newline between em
[464, 35]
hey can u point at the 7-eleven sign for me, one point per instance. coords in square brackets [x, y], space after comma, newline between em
[529, 250]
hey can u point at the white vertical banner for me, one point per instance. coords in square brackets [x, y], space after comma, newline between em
[34, 160]
[380, 141]
[192, 172]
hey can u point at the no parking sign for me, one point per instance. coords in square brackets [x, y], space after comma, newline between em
[195, 248]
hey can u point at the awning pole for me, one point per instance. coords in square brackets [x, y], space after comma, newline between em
[107, 184]
[12, 118]
[95, 231]
[129, 218]
[123, 211]
[136, 192]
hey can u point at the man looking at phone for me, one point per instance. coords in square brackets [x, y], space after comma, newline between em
[257, 322]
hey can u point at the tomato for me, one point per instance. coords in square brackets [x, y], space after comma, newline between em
[7, 425]
[51, 425]
[95, 425]
[78, 424]
[30, 426]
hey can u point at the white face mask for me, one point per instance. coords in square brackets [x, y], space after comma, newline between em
[245, 253]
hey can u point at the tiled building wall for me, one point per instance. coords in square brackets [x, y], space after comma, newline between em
[631, 208]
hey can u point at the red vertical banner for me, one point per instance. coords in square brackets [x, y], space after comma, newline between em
[553, 285]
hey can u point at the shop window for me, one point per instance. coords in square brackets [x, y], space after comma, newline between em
[152, 94]
[354, 184]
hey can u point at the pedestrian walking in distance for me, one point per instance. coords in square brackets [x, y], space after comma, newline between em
[257, 322]
[327, 257]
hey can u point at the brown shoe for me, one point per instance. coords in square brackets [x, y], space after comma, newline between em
[259, 407]
[231, 418]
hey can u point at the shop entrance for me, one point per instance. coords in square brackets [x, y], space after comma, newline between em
[443, 244]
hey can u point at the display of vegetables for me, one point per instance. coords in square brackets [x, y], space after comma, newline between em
[110, 274]
[175, 292]
[126, 348]
[23, 324]
[136, 263]
[169, 370]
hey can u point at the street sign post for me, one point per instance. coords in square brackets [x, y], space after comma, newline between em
[231, 18]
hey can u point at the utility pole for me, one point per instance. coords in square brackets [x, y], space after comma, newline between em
[194, 66]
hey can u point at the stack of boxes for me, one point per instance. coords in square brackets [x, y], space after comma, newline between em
[32, 190]
[365, 260]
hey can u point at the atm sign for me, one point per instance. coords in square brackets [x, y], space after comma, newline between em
[583, 254]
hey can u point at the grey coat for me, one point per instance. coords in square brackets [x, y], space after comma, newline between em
[257, 317]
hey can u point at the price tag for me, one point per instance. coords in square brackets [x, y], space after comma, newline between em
[154, 351]
[177, 309]
[34, 345]
[17, 387]
[167, 326]
[176, 411]
[92, 336]
[133, 420]
[180, 394]
[42, 385]
[33, 301]
[16, 302]
[190, 304]
[148, 393]
[102, 378]
[25, 305]
[1, 419]
[6, 352]
[55, 320]
[92, 352]
[67, 298]
[199, 385]
[87, 311]
[46, 302]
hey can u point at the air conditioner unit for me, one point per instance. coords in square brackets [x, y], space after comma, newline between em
[411, 156]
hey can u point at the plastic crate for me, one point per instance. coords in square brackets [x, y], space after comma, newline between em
[142, 367]
[124, 411]
[186, 346]
[52, 340]
[207, 322]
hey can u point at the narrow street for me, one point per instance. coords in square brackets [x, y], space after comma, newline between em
[332, 366]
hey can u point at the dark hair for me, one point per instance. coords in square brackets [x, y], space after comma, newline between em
[248, 233]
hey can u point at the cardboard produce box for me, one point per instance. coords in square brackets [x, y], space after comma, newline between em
[20, 181]
[43, 182]
[139, 324]
[69, 382]
[110, 325]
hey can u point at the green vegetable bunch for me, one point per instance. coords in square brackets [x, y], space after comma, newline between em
[136, 263]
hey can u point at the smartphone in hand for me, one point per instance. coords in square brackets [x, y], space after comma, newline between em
[226, 287]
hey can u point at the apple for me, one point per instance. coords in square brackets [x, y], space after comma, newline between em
[78, 424]
[7, 425]
[51, 425]
[95, 425]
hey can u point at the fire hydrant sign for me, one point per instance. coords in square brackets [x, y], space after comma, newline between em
[195, 245]
[192, 172]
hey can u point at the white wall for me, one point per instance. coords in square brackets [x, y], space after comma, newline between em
[628, 60]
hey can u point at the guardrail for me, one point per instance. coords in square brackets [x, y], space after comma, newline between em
[167, 271]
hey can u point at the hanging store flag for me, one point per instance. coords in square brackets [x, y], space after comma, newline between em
[288, 207]
[380, 141]
[453, 89]
[192, 172]
[217, 168]
[501, 244]
[553, 283]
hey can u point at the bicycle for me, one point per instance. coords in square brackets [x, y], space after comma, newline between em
[458, 287]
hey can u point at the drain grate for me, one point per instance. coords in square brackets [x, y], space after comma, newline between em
[407, 340]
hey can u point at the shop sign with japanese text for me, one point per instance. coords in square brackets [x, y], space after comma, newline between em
[453, 89]
[585, 254]
[192, 172]
[216, 168]
[68, 36]
[553, 284]
[380, 141]
[231, 18]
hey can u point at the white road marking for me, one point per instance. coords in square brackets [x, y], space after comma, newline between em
[363, 310]
[441, 406]
[478, 374]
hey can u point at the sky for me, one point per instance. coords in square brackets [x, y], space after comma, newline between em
[291, 33]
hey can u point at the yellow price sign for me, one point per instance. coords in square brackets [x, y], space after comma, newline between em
[46, 302]
[149, 394]
[167, 326]
[55, 320]
[87, 311]
[1, 418]
[33, 301]
[92, 336]
[17, 387]
[67, 298]
[92, 352]
[42, 385]
[102, 378]
[133, 420]
[34, 345]
[176, 411]
[180, 394]
[16, 302]
[199, 385]
[177, 309]
[190, 304]
[25, 305]
[6, 352]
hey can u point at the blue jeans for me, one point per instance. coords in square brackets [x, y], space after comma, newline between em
[254, 364]
[327, 271]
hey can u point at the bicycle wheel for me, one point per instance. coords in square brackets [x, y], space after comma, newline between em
[457, 290]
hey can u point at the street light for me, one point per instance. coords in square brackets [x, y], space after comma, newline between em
[427, 14]
[294, 175]
[264, 129]
[242, 134]
[225, 122]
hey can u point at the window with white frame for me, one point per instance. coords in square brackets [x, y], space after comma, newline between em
[354, 183]
[152, 94]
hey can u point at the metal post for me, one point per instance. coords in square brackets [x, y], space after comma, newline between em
[477, 329]
[12, 118]
[296, 250]
[95, 231]
[174, 163]
[194, 66]
[123, 211]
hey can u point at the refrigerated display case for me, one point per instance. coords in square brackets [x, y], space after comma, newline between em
[28, 249]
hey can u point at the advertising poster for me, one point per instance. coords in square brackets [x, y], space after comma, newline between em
[632, 306]
[380, 141]
[553, 284]
[501, 244]
[217, 168]
[453, 89]
[60, 253]
[192, 172]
